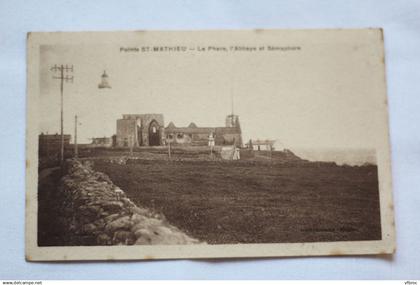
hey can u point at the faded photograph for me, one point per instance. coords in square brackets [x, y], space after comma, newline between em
[200, 139]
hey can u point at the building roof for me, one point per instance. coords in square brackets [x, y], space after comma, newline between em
[52, 136]
[262, 142]
[227, 130]
[171, 125]
[202, 130]
[138, 116]
[187, 130]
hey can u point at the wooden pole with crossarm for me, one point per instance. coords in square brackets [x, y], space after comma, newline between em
[63, 71]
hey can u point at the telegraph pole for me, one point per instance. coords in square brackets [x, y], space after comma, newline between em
[131, 145]
[76, 154]
[169, 150]
[63, 77]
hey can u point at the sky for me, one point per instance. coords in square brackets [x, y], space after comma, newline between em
[325, 94]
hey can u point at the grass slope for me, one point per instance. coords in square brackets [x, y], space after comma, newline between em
[256, 202]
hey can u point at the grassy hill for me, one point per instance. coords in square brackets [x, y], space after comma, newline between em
[256, 201]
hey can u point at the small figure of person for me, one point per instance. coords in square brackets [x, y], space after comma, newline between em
[236, 153]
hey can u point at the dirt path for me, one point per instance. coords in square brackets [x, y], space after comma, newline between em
[46, 172]
[50, 232]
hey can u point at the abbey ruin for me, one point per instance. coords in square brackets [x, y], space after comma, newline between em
[149, 130]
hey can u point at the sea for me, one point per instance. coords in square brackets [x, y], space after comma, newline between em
[340, 156]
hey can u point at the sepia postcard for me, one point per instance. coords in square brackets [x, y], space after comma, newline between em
[207, 144]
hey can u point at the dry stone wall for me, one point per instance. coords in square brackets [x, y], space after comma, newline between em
[97, 212]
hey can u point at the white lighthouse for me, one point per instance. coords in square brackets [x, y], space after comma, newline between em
[104, 81]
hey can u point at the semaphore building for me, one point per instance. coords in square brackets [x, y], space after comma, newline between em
[149, 130]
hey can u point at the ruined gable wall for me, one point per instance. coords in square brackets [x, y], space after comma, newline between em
[146, 119]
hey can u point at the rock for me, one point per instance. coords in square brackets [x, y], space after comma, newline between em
[140, 211]
[136, 218]
[145, 223]
[111, 218]
[112, 206]
[163, 230]
[137, 226]
[143, 240]
[124, 237]
[142, 233]
[103, 239]
[161, 235]
[104, 214]
[94, 209]
[87, 216]
[99, 176]
[88, 228]
[119, 224]
[100, 224]
[127, 202]
[82, 208]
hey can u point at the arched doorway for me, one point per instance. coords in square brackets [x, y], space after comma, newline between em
[154, 133]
